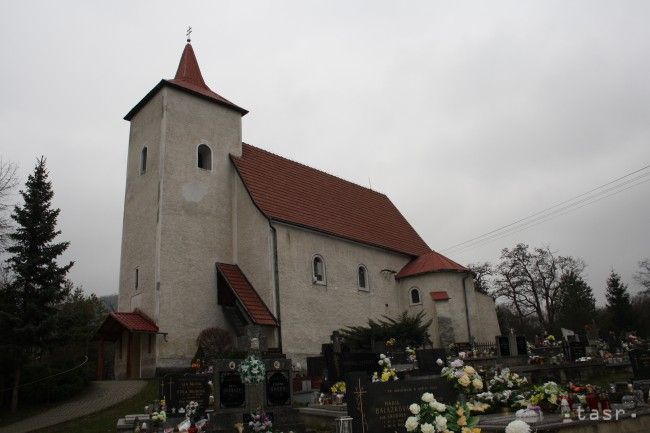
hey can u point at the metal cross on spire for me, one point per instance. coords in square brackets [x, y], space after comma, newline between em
[188, 33]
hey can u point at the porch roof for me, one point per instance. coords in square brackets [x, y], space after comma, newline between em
[116, 322]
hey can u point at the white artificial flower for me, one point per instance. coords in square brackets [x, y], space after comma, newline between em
[518, 426]
[411, 423]
[382, 356]
[427, 428]
[441, 423]
[427, 397]
[457, 363]
[440, 362]
[414, 408]
[440, 407]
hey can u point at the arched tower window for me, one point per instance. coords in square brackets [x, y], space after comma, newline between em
[318, 266]
[415, 296]
[143, 160]
[204, 157]
[362, 277]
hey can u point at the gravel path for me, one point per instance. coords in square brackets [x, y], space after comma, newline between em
[100, 395]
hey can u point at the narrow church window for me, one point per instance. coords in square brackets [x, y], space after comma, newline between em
[415, 296]
[143, 160]
[204, 157]
[363, 277]
[319, 270]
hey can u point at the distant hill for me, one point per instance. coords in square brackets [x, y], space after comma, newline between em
[109, 301]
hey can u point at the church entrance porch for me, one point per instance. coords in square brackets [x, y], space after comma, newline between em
[133, 336]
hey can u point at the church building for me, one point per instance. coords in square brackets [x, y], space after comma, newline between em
[221, 233]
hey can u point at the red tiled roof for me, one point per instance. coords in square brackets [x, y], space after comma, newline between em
[439, 296]
[188, 78]
[250, 299]
[430, 262]
[136, 321]
[294, 193]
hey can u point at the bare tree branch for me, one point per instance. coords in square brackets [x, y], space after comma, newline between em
[8, 181]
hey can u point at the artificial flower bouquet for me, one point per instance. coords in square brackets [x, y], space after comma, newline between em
[252, 370]
[431, 416]
[410, 354]
[547, 396]
[388, 373]
[158, 418]
[338, 388]
[506, 380]
[463, 377]
[260, 423]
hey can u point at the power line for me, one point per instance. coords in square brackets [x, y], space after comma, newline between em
[545, 219]
[553, 210]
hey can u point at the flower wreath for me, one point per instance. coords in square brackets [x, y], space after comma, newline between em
[252, 370]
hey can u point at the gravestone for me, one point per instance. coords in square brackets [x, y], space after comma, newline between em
[427, 360]
[339, 364]
[503, 346]
[180, 390]
[577, 349]
[640, 360]
[232, 392]
[382, 407]
[315, 366]
[522, 345]
[278, 388]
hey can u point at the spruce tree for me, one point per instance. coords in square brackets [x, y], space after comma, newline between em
[37, 282]
[619, 306]
[577, 302]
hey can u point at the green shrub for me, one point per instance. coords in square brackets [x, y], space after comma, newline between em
[407, 330]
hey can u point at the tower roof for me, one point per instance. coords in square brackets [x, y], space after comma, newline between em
[188, 79]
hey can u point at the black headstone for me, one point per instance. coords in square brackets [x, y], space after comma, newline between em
[522, 346]
[315, 366]
[359, 361]
[577, 350]
[180, 390]
[640, 360]
[427, 360]
[503, 346]
[383, 407]
[463, 347]
[278, 388]
[232, 391]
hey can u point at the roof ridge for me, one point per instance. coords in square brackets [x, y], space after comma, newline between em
[314, 168]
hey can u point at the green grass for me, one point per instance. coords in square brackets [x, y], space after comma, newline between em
[105, 420]
[6, 417]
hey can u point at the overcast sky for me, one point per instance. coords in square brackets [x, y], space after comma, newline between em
[467, 115]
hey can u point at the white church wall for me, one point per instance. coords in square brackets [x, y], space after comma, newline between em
[140, 211]
[196, 220]
[310, 311]
[488, 327]
[254, 249]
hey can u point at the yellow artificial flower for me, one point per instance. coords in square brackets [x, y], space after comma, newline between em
[464, 380]
[460, 411]
[469, 370]
[462, 421]
[385, 376]
[471, 430]
[478, 384]
[553, 398]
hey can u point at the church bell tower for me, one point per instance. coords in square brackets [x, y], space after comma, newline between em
[178, 208]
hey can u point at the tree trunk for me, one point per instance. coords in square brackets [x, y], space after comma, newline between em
[14, 392]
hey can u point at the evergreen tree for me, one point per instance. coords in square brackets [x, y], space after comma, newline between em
[37, 282]
[618, 304]
[577, 302]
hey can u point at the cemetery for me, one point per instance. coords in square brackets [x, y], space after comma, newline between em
[512, 385]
